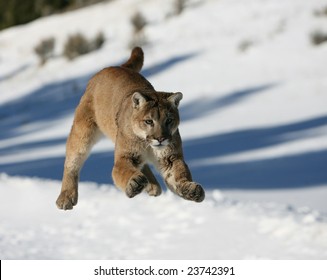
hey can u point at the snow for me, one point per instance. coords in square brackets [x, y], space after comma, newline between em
[254, 125]
[108, 225]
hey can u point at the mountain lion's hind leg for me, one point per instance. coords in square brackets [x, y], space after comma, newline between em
[83, 136]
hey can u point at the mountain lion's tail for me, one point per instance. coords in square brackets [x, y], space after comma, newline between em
[135, 62]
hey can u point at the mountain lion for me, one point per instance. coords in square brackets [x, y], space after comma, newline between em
[120, 103]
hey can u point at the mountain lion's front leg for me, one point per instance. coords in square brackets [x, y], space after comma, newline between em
[127, 174]
[179, 179]
[153, 187]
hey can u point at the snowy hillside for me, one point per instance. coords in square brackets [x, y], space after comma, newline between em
[254, 125]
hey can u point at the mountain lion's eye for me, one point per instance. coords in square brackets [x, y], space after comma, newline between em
[149, 122]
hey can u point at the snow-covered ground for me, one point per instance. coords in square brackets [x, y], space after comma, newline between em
[108, 225]
[254, 124]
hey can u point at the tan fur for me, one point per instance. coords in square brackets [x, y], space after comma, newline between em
[143, 123]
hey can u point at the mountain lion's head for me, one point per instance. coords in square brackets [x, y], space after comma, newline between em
[155, 117]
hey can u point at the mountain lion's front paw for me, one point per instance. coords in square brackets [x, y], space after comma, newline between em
[67, 199]
[192, 191]
[136, 185]
[153, 189]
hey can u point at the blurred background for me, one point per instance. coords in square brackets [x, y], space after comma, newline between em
[15, 13]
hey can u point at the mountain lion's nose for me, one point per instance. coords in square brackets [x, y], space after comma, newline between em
[161, 139]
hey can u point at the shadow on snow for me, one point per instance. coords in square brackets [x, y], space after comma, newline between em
[290, 171]
[205, 105]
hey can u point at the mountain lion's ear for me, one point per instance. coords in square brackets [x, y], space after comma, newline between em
[138, 99]
[175, 98]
